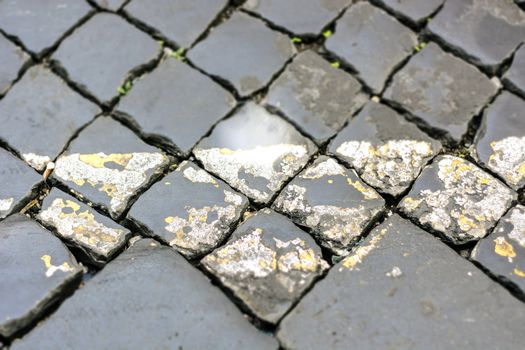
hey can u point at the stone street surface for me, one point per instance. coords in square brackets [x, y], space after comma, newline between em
[262, 174]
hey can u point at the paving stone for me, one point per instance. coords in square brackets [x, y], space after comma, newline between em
[178, 20]
[101, 66]
[264, 53]
[35, 269]
[176, 105]
[268, 264]
[13, 59]
[386, 151]
[302, 17]
[17, 183]
[98, 237]
[414, 10]
[190, 210]
[457, 93]
[404, 289]
[500, 144]
[487, 31]
[112, 5]
[40, 114]
[331, 201]
[457, 199]
[39, 24]
[178, 308]
[516, 73]
[255, 152]
[315, 95]
[107, 164]
[365, 29]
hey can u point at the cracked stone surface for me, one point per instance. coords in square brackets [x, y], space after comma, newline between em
[35, 270]
[302, 17]
[108, 173]
[178, 20]
[102, 66]
[39, 24]
[364, 29]
[174, 309]
[516, 73]
[17, 183]
[414, 10]
[500, 145]
[267, 263]
[264, 53]
[442, 90]
[331, 201]
[176, 105]
[316, 96]
[474, 26]
[255, 152]
[98, 237]
[503, 251]
[401, 272]
[13, 59]
[190, 210]
[457, 199]
[386, 151]
[40, 114]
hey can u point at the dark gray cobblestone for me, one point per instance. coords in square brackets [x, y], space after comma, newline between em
[515, 76]
[13, 59]
[414, 10]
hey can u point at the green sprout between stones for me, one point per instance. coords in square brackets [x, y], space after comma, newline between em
[296, 40]
[327, 33]
[335, 64]
[125, 88]
[420, 46]
[179, 54]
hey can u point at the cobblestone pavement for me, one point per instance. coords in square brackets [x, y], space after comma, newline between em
[262, 174]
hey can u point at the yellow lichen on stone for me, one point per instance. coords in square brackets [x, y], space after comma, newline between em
[99, 160]
[51, 269]
[519, 272]
[504, 248]
[466, 224]
[361, 252]
[367, 192]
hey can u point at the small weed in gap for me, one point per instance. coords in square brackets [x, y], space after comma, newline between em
[125, 88]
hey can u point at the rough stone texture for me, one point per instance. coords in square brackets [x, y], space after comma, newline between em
[255, 152]
[515, 76]
[176, 105]
[372, 42]
[404, 289]
[442, 90]
[110, 171]
[332, 202]
[112, 5]
[416, 11]
[500, 144]
[386, 151]
[17, 183]
[302, 17]
[40, 114]
[503, 251]
[190, 210]
[35, 270]
[101, 66]
[172, 298]
[98, 237]
[316, 96]
[487, 31]
[457, 199]
[268, 263]
[40, 23]
[180, 21]
[13, 59]
[264, 53]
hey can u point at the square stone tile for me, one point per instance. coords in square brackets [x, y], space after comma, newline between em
[255, 152]
[95, 235]
[40, 114]
[35, 269]
[487, 31]
[112, 5]
[176, 105]
[13, 59]
[458, 91]
[244, 52]
[457, 199]
[316, 96]
[17, 183]
[500, 143]
[332, 202]
[39, 24]
[416, 11]
[386, 151]
[372, 42]
[101, 66]
[515, 75]
[190, 210]
[301, 17]
[180, 21]
[268, 264]
[107, 164]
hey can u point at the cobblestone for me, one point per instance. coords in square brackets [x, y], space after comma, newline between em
[515, 76]
[414, 10]
[113, 5]
[13, 59]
